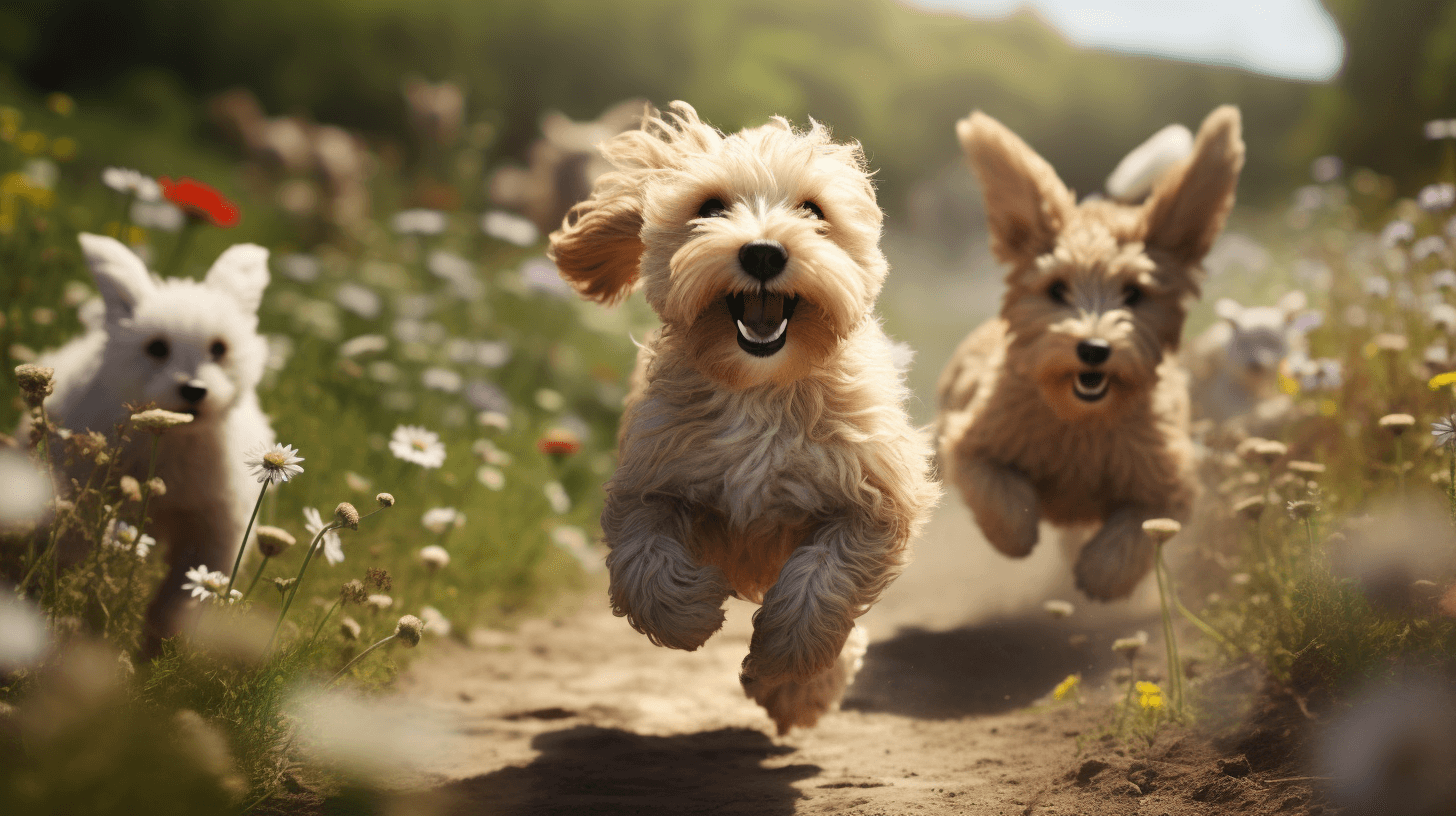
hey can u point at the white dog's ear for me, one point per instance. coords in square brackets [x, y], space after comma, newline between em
[1026, 203]
[241, 271]
[120, 275]
[1190, 202]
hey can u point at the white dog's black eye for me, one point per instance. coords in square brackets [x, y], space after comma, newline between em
[218, 349]
[1058, 292]
[712, 208]
[1131, 295]
[813, 208]
[159, 349]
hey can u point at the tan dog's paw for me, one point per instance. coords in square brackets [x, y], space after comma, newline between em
[792, 703]
[797, 649]
[666, 597]
[1115, 559]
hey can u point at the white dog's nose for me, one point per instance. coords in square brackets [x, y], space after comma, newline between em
[193, 391]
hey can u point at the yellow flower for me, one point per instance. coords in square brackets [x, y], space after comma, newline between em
[1067, 687]
[1328, 407]
[1288, 384]
[31, 142]
[61, 104]
[1150, 696]
[10, 119]
[1144, 687]
[64, 148]
[1442, 379]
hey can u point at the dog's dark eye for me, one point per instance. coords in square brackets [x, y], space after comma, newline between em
[813, 209]
[712, 208]
[218, 349]
[159, 349]
[1131, 295]
[1058, 292]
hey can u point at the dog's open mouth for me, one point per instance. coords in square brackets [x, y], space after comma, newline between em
[762, 319]
[1090, 386]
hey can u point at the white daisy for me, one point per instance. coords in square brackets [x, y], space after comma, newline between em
[333, 546]
[274, 464]
[490, 477]
[438, 520]
[512, 229]
[204, 583]
[123, 536]
[413, 443]
[419, 222]
[1444, 431]
[132, 182]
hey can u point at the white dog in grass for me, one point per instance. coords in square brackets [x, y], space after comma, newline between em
[186, 346]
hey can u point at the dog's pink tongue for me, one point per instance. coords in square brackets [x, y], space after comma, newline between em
[763, 311]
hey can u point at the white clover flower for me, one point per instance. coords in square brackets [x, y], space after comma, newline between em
[274, 464]
[436, 378]
[413, 443]
[512, 229]
[132, 182]
[204, 583]
[123, 536]
[434, 557]
[1130, 645]
[313, 522]
[438, 520]
[419, 222]
[491, 477]
[556, 495]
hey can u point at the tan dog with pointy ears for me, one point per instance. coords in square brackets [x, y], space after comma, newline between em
[1071, 405]
[765, 450]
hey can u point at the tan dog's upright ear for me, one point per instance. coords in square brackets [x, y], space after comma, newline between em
[599, 246]
[1026, 203]
[1188, 206]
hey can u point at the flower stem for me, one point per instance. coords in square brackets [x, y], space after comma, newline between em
[1175, 665]
[325, 619]
[256, 576]
[298, 581]
[179, 249]
[142, 519]
[238, 562]
[358, 658]
[1400, 466]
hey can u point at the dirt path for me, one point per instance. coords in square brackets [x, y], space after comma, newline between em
[579, 714]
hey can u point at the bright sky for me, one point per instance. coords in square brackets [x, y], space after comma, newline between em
[1286, 38]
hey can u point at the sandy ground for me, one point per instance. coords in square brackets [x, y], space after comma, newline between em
[576, 713]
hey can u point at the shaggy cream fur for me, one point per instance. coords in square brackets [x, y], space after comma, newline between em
[787, 474]
[1071, 406]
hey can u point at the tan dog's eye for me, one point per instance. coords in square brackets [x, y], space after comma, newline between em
[813, 209]
[1058, 292]
[1131, 295]
[712, 208]
[218, 349]
[159, 349]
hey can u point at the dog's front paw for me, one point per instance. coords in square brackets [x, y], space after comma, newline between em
[793, 703]
[673, 601]
[781, 653]
[1113, 562]
[1005, 506]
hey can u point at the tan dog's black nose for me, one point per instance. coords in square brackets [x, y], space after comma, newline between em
[1094, 352]
[763, 259]
[193, 391]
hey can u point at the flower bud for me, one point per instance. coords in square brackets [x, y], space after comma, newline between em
[347, 515]
[274, 541]
[130, 488]
[156, 420]
[1161, 529]
[156, 486]
[385, 500]
[349, 628]
[409, 630]
[36, 382]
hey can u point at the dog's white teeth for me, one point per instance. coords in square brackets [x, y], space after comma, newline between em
[757, 338]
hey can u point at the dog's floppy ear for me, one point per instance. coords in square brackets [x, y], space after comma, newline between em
[1188, 206]
[1026, 203]
[599, 246]
[241, 271]
[120, 275]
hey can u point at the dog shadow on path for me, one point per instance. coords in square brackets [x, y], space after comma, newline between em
[987, 668]
[588, 769]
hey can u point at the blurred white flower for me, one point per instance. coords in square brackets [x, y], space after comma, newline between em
[42, 173]
[556, 495]
[1058, 609]
[1441, 129]
[1444, 431]
[550, 399]
[435, 622]
[484, 395]
[274, 464]
[457, 272]
[490, 454]
[419, 222]
[1377, 286]
[360, 300]
[574, 541]
[512, 229]
[132, 182]
[434, 557]
[383, 371]
[123, 536]
[540, 275]
[27, 494]
[366, 738]
[493, 419]
[333, 546]
[204, 583]
[379, 600]
[490, 477]
[23, 637]
[1429, 246]
[299, 267]
[364, 344]
[1326, 169]
[157, 215]
[413, 443]
[441, 379]
[439, 520]
[1444, 278]
[1437, 196]
[1443, 316]
[1397, 232]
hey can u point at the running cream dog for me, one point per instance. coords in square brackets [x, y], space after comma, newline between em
[1071, 406]
[765, 450]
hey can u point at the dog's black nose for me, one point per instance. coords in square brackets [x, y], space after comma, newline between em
[763, 259]
[1094, 352]
[193, 392]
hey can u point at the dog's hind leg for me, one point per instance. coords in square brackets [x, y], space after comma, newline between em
[1117, 557]
[656, 583]
[1002, 500]
[794, 703]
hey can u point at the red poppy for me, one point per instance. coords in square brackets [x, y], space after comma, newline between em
[200, 201]
[558, 442]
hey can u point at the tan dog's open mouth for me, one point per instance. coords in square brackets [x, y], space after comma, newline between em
[762, 319]
[1090, 386]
